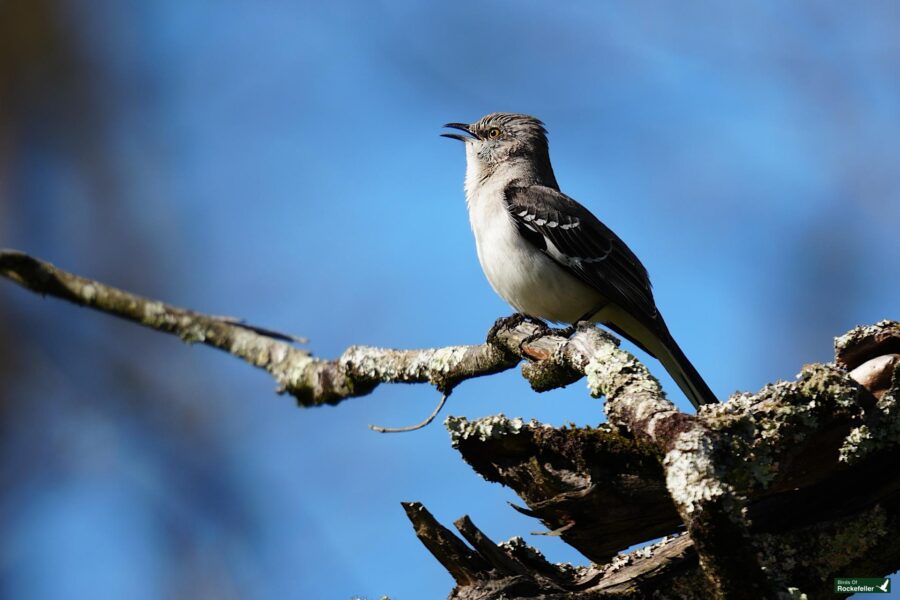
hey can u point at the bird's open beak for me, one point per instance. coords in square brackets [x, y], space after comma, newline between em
[456, 136]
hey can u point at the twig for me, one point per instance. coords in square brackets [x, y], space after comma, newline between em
[424, 423]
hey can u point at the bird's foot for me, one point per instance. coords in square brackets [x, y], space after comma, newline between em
[504, 323]
[541, 330]
[513, 321]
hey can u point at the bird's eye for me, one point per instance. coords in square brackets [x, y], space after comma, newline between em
[494, 133]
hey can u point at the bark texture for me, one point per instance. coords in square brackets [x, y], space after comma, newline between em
[768, 495]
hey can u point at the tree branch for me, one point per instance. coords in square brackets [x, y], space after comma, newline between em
[704, 459]
[312, 381]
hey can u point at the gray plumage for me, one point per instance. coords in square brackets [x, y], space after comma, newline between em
[547, 255]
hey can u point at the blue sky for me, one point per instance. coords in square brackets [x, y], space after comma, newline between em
[281, 162]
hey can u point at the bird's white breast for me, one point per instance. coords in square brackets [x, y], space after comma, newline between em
[521, 274]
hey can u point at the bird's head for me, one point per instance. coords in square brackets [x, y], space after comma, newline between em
[499, 137]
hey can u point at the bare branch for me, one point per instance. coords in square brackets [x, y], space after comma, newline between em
[312, 381]
[465, 566]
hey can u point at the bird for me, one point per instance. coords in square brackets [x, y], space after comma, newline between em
[547, 255]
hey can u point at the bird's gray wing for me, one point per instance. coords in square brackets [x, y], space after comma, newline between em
[568, 233]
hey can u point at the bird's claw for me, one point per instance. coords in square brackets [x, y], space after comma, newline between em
[513, 321]
[542, 330]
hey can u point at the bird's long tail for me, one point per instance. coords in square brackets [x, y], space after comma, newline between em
[654, 337]
[682, 371]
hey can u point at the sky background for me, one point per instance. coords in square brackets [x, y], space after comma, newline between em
[280, 162]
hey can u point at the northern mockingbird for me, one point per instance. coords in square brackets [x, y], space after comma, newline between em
[547, 255]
